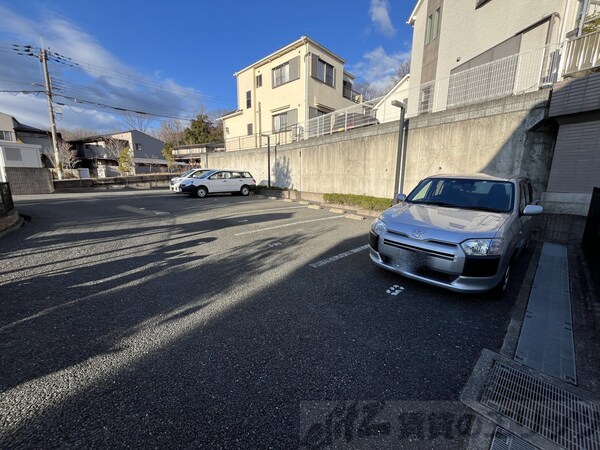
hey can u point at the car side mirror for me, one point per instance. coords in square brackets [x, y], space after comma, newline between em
[533, 210]
[400, 198]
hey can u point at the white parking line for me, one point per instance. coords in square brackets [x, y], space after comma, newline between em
[287, 225]
[340, 256]
[245, 213]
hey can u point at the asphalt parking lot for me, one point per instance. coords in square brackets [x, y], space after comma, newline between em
[153, 319]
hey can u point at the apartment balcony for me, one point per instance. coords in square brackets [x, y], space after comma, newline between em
[352, 95]
[582, 55]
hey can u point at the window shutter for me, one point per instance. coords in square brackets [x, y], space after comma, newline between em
[314, 64]
[294, 68]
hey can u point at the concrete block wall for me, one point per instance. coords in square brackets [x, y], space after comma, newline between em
[494, 137]
[29, 180]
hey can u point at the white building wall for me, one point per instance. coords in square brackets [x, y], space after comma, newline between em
[467, 32]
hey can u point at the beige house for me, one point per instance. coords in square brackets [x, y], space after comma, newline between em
[280, 93]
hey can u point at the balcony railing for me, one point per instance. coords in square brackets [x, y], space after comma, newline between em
[582, 54]
[352, 95]
[515, 74]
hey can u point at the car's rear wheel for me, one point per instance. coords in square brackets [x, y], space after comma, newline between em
[201, 192]
[245, 190]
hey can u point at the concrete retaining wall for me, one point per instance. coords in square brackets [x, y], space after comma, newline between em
[494, 137]
[29, 180]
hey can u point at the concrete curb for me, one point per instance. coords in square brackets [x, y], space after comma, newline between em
[13, 227]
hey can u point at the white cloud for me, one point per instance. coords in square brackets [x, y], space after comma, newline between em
[378, 68]
[379, 12]
[100, 78]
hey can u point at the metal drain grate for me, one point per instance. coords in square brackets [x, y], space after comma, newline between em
[558, 415]
[503, 440]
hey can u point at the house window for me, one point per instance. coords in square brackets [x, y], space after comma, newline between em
[259, 80]
[248, 99]
[426, 99]
[249, 129]
[281, 74]
[138, 147]
[325, 72]
[280, 122]
[6, 135]
[432, 28]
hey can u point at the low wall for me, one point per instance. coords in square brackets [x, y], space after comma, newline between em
[496, 137]
[29, 180]
[132, 182]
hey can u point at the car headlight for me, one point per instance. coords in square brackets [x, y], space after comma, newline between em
[482, 247]
[378, 227]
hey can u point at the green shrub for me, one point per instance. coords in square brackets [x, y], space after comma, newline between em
[359, 201]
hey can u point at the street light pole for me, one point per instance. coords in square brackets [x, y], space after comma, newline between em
[401, 154]
[268, 158]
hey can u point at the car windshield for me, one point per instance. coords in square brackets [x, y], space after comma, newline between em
[485, 195]
[207, 174]
[185, 174]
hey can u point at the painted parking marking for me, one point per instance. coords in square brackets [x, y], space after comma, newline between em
[395, 290]
[258, 211]
[287, 225]
[324, 262]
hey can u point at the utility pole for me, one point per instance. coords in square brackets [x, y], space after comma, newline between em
[44, 58]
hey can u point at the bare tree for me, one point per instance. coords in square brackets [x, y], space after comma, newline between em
[171, 132]
[114, 147]
[137, 121]
[67, 155]
[77, 134]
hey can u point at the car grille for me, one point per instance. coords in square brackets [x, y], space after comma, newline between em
[411, 248]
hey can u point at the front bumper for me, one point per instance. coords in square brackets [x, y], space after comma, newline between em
[435, 263]
[187, 189]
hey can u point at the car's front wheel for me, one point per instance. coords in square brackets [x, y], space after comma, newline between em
[500, 289]
[245, 190]
[201, 192]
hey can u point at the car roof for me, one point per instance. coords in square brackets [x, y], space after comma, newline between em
[475, 176]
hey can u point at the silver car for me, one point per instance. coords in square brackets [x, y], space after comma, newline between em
[459, 232]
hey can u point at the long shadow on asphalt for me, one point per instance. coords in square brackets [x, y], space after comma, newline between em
[240, 368]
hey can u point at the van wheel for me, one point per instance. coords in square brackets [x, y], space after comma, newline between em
[245, 190]
[201, 192]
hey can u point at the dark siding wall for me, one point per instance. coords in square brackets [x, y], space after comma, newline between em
[576, 96]
[576, 163]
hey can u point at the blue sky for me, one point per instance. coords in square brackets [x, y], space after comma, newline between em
[178, 58]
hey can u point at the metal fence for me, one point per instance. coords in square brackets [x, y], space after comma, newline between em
[582, 53]
[6, 200]
[515, 74]
[591, 235]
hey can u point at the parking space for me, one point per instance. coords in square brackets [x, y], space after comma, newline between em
[192, 322]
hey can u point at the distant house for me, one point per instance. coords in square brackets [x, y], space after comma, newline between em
[196, 155]
[385, 111]
[282, 91]
[100, 154]
[11, 130]
[21, 157]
